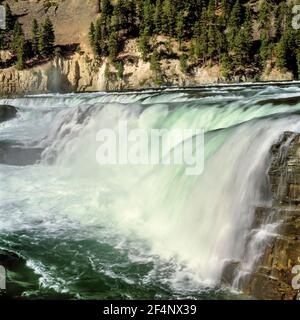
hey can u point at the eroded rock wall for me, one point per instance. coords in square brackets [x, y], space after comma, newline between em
[272, 275]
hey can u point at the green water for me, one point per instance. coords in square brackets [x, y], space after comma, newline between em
[145, 232]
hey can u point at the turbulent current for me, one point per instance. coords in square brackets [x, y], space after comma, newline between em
[87, 230]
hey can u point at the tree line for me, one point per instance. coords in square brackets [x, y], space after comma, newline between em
[40, 45]
[240, 35]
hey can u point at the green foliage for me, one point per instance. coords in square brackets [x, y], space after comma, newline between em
[157, 17]
[113, 46]
[214, 31]
[17, 36]
[21, 55]
[46, 38]
[18, 45]
[119, 65]
[2, 38]
[180, 28]
[184, 63]
[144, 46]
[107, 72]
[9, 18]
[105, 7]
[155, 67]
[35, 37]
[92, 39]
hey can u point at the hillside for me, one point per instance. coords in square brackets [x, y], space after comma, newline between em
[102, 44]
[71, 18]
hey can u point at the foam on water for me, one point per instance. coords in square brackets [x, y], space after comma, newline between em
[185, 226]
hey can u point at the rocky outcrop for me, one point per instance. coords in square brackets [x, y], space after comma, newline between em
[7, 112]
[272, 275]
[80, 72]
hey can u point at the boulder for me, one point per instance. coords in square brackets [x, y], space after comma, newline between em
[7, 112]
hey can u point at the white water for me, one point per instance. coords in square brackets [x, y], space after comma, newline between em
[199, 222]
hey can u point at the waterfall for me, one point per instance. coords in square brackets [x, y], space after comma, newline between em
[198, 221]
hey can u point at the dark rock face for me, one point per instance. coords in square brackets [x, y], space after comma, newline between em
[272, 275]
[7, 112]
[18, 276]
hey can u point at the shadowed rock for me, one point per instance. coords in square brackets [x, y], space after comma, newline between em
[7, 112]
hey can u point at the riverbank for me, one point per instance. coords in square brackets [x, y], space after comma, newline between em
[81, 73]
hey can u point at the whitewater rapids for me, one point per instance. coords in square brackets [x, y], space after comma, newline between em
[87, 230]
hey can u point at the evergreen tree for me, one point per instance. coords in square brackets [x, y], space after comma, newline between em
[156, 68]
[158, 17]
[105, 8]
[46, 38]
[9, 19]
[17, 35]
[2, 38]
[265, 27]
[120, 69]
[147, 26]
[35, 37]
[144, 46]
[180, 28]
[92, 38]
[21, 54]
[236, 16]
[168, 21]
[113, 46]
[183, 63]
[243, 42]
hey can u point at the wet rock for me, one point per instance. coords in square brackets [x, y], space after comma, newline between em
[7, 112]
[272, 274]
[19, 278]
[230, 271]
[10, 260]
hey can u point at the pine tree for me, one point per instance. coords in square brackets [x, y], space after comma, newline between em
[183, 60]
[21, 54]
[157, 17]
[2, 37]
[105, 8]
[17, 35]
[35, 37]
[144, 46]
[201, 37]
[298, 64]
[168, 21]
[120, 69]
[226, 6]
[101, 37]
[156, 68]
[180, 28]
[9, 19]
[236, 16]
[92, 39]
[265, 27]
[46, 38]
[148, 23]
[243, 42]
[113, 46]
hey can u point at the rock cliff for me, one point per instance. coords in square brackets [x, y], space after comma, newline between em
[81, 73]
[274, 273]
